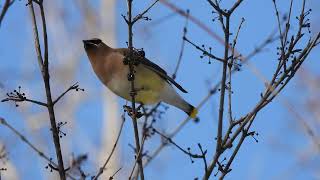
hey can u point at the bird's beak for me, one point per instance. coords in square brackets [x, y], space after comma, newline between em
[88, 44]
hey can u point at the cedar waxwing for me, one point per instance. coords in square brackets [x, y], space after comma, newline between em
[152, 83]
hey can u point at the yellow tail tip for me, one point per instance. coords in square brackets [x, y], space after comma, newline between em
[193, 113]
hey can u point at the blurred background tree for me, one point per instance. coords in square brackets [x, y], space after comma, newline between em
[94, 116]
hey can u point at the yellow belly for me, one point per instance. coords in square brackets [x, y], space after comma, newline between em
[148, 85]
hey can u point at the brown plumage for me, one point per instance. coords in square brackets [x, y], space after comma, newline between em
[151, 82]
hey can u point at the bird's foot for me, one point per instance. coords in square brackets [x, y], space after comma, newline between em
[130, 112]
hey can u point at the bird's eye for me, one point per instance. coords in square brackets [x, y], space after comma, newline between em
[96, 41]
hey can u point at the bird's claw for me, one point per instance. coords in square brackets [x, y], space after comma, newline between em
[129, 110]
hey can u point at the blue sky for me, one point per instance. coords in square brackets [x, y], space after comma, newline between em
[263, 160]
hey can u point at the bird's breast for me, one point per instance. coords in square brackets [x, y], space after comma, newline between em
[148, 84]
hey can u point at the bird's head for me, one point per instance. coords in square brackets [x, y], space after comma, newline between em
[95, 48]
[92, 44]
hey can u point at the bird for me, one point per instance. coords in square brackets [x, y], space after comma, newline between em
[152, 83]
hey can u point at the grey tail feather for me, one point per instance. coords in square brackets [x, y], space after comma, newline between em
[189, 110]
[192, 112]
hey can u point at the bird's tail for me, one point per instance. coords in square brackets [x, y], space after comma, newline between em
[192, 111]
[170, 96]
[183, 105]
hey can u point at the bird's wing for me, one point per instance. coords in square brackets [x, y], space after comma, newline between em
[157, 69]
[154, 67]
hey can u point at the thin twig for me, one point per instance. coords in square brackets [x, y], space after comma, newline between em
[203, 157]
[136, 157]
[140, 16]
[230, 66]
[44, 67]
[185, 30]
[33, 147]
[130, 23]
[112, 150]
[226, 170]
[216, 7]
[5, 8]
[17, 99]
[168, 139]
[271, 38]
[223, 86]
[45, 37]
[205, 53]
[272, 90]
[235, 5]
[36, 36]
[74, 86]
[112, 177]
[226, 29]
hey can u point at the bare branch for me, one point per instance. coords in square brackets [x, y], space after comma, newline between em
[18, 96]
[33, 147]
[179, 127]
[36, 36]
[131, 76]
[43, 64]
[75, 86]
[168, 139]
[236, 4]
[216, 7]
[223, 85]
[230, 66]
[5, 8]
[137, 157]
[17, 99]
[271, 38]
[307, 128]
[112, 177]
[141, 15]
[174, 75]
[204, 52]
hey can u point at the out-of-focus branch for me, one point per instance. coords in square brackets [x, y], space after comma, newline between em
[25, 140]
[194, 20]
[32, 146]
[309, 131]
[5, 8]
